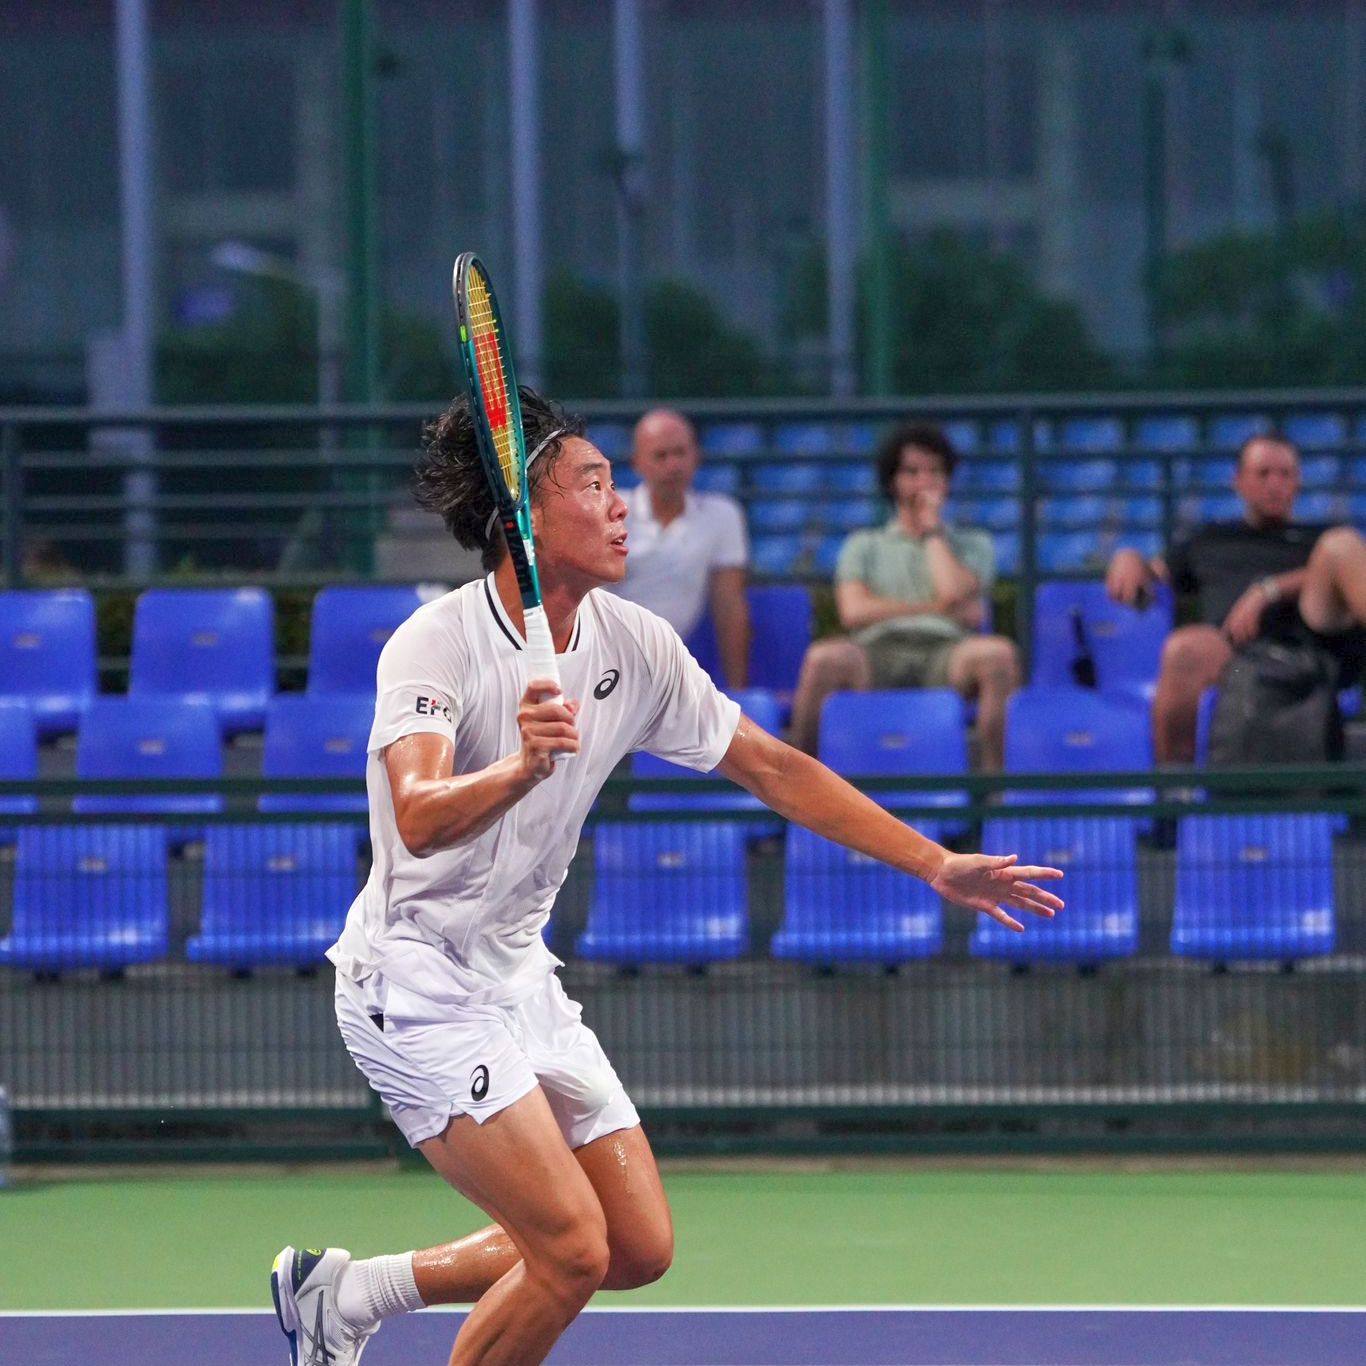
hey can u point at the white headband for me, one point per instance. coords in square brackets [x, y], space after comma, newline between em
[530, 461]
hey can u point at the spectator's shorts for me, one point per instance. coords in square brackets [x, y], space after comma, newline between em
[909, 661]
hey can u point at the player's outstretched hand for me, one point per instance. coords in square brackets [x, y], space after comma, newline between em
[547, 727]
[989, 882]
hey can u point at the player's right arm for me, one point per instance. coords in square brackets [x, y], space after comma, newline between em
[435, 808]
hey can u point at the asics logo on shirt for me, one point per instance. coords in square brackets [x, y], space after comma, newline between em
[609, 681]
[481, 1083]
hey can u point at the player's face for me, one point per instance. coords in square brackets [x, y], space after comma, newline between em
[580, 519]
[1268, 480]
[665, 454]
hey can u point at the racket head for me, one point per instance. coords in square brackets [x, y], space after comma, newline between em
[491, 382]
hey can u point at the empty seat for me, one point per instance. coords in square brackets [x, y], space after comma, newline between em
[852, 476]
[780, 631]
[807, 477]
[733, 438]
[667, 893]
[962, 433]
[1062, 552]
[995, 513]
[841, 906]
[903, 733]
[853, 514]
[1092, 435]
[211, 645]
[1073, 513]
[47, 654]
[1316, 431]
[145, 737]
[1099, 856]
[768, 516]
[808, 438]
[711, 477]
[776, 556]
[984, 475]
[1167, 432]
[1231, 429]
[1070, 730]
[1078, 476]
[18, 757]
[348, 631]
[1007, 547]
[1125, 642]
[1254, 886]
[1320, 507]
[827, 556]
[309, 738]
[274, 892]
[88, 896]
[613, 439]
[1321, 473]
[1143, 511]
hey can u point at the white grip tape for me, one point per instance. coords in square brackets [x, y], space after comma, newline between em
[540, 654]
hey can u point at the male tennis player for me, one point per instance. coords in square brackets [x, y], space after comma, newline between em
[446, 994]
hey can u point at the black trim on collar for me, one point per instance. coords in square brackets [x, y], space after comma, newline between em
[498, 617]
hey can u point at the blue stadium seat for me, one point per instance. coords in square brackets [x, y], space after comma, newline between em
[984, 475]
[780, 631]
[1099, 856]
[963, 434]
[18, 758]
[989, 514]
[1143, 476]
[1232, 429]
[1316, 431]
[844, 907]
[149, 737]
[1080, 512]
[624, 475]
[770, 516]
[1320, 507]
[808, 438]
[213, 645]
[1141, 511]
[1062, 552]
[1321, 473]
[776, 556]
[667, 893]
[1254, 886]
[1356, 510]
[806, 477]
[828, 555]
[274, 892]
[1007, 545]
[1076, 731]
[1210, 507]
[1003, 436]
[89, 895]
[733, 438]
[349, 629]
[853, 514]
[717, 477]
[897, 734]
[613, 439]
[47, 654]
[1092, 435]
[852, 476]
[308, 737]
[1213, 473]
[1147, 543]
[1126, 643]
[1079, 476]
[1167, 432]
[862, 437]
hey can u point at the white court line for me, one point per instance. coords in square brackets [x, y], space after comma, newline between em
[771, 1309]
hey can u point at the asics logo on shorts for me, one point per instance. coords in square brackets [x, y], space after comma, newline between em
[481, 1083]
[609, 681]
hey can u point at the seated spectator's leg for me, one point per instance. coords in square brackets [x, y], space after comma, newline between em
[833, 665]
[987, 668]
[1193, 657]
[1333, 598]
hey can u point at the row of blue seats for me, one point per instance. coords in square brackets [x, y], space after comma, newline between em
[1099, 434]
[1247, 887]
[218, 645]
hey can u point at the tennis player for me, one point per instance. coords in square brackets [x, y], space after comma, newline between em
[446, 995]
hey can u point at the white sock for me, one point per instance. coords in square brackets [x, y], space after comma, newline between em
[376, 1288]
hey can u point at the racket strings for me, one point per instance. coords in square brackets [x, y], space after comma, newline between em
[488, 349]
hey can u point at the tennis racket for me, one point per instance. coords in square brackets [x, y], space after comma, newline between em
[497, 411]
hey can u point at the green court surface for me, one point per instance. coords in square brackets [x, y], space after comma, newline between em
[748, 1234]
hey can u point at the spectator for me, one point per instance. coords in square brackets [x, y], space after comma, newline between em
[911, 594]
[1245, 576]
[689, 549]
[1333, 596]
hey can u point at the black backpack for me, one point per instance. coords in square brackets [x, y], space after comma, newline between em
[1277, 704]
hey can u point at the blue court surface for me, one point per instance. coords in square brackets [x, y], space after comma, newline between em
[713, 1337]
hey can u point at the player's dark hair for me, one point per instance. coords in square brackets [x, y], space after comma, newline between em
[1275, 436]
[923, 437]
[450, 478]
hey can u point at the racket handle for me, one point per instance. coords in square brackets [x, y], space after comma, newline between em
[540, 653]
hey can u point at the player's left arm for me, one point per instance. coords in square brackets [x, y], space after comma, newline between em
[802, 789]
[730, 615]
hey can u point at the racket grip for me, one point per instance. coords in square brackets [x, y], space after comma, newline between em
[540, 653]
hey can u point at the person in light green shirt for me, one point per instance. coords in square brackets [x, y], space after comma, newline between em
[912, 596]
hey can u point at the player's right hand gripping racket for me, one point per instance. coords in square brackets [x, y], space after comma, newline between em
[497, 411]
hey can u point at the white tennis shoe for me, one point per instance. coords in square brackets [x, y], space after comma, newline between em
[303, 1286]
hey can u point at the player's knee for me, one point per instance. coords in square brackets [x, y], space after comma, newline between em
[577, 1262]
[642, 1264]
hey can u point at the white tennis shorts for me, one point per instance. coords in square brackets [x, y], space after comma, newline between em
[478, 1060]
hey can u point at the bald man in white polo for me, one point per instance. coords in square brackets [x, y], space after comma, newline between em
[689, 549]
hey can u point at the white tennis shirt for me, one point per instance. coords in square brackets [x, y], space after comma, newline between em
[463, 925]
[669, 566]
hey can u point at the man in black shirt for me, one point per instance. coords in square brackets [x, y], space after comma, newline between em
[1246, 578]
